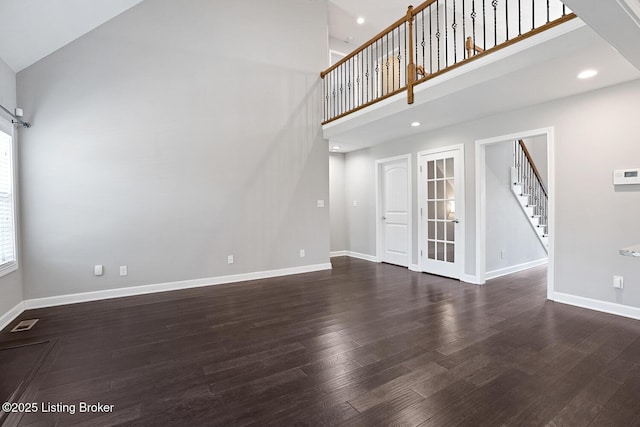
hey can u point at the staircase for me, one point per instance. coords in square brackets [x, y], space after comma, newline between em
[529, 189]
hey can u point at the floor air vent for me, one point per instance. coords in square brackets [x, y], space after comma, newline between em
[25, 325]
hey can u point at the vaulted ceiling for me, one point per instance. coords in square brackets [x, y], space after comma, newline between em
[33, 29]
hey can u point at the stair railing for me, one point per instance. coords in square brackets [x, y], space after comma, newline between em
[530, 180]
[435, 37]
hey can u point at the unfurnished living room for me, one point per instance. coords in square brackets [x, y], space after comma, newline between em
[319, 213]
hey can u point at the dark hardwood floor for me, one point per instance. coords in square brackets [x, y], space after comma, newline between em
[364, 344]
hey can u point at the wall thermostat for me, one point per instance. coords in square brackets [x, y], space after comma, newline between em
[626, 176]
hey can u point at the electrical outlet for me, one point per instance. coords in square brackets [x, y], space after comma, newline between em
[98, 270]
[355, 203]
[230, 259]
[124, 270]
[502, 254]
[321, 203]
[302, 254]
[618, 282]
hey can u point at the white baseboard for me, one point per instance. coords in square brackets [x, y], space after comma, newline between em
[414, 267]
[515, 268]
[10, 316]
[338, 253]
[603, 306]
[468, 278]
[165, 287]
[365, 257]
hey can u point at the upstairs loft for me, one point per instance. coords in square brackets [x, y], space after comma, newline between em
[449, 61]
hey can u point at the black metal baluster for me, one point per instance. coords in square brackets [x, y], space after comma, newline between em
[343, 92]
[339, 90]
[352, 82]
[393, 62]
[438, 30]
[564, 10]
[506, 14]
[343, 89]
[349, 75]
[378, 79]
[446, 36]
[361, 63]
[334, 81]
[473, 24]
[336, 90]
[533, 14]
[519, 17]
[548, 12]
[423, 43]
[454, 26]
[369, 51]
[430, 40]
[494, 3]
[484, 26]
[405, 56]
[464, 31]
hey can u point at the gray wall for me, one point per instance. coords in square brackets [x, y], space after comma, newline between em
[11, 284]
[337, 202]
[172, 136]
[508, 228]
[595, 133]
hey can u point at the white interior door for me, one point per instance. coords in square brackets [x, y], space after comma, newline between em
[441, 212]
[394, 212]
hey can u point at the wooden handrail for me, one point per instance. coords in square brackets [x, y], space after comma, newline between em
[411, 66]
[533, 166]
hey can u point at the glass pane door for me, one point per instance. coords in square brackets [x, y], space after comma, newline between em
[441, 180]
[441, 211]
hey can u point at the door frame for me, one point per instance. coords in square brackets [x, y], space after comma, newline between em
[481, 200]
[460, 207]
[379, 208]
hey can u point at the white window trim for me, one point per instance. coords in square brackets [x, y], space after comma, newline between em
[7, 127]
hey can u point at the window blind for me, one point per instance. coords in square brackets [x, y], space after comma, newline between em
[7, 224]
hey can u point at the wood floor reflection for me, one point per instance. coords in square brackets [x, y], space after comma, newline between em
[364, 344]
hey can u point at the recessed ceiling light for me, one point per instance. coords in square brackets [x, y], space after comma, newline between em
[335, 148]
[415, 124]
[586, 74]
[360, 20]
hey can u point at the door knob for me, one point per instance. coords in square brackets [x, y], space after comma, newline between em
[384, 218]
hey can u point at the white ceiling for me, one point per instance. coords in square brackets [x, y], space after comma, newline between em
[33, 29]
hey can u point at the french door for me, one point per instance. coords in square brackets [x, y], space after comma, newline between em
[441, 200]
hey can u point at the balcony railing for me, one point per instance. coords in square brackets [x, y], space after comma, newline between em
[433, 38]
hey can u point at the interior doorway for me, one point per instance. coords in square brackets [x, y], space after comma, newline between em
[393, 210]
[485, 151]
[441, 210]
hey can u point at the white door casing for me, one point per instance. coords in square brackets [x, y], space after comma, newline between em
[441, 211]
[393, 211]
[481, 202]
